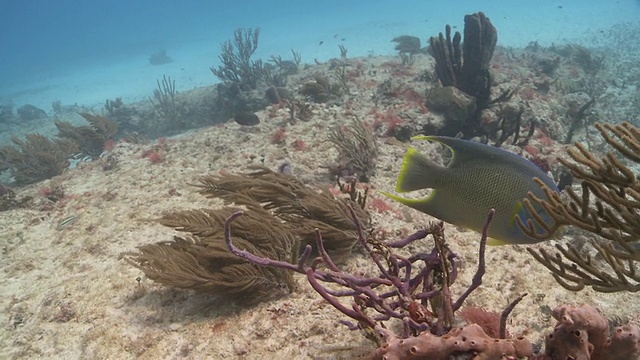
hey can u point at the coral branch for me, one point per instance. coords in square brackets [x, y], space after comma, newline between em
[402, 290]
[237, 66]
[477, 278]
[608, 206]
[505, 315]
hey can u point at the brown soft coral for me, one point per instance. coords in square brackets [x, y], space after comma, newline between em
[583, 333]
[470, 339]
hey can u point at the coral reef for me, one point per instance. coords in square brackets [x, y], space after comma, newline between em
[166, 104]
[9, 199]
[608, 206]
[421, 298]
[407, 44]
[168, 111]
[304, 208]
[58, 253]
[579, 107]
[489, 321]
[509, 125]
[30, 112]
[275, 72]
[467, 68]
[467, 342]
[298, 110]
[276, 94]
[321, 90]
[241, 76]
[587, 59]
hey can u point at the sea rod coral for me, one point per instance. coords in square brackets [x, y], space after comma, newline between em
[414, 290]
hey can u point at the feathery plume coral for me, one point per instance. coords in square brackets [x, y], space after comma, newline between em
[282, 216]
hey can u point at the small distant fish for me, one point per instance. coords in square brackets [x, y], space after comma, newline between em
[478, 178]
[285, 168]
[66, 222]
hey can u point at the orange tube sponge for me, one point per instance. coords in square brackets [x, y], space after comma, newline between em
[624, 343]
[583, 333]
[470, 339]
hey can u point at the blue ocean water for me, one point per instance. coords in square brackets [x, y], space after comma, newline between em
[82, 52]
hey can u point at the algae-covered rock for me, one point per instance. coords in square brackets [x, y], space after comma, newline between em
[455, 105]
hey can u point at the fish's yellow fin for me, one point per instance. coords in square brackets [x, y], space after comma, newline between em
[496, 242]
[401, 200]
[422, 137]
[417, 172]
[426, 204]
[517, 213]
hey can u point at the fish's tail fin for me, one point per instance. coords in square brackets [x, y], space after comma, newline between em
[418, 172]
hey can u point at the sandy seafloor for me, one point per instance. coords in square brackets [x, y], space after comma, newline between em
[67, 294]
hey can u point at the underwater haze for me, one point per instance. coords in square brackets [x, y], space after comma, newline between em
[80, 52]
